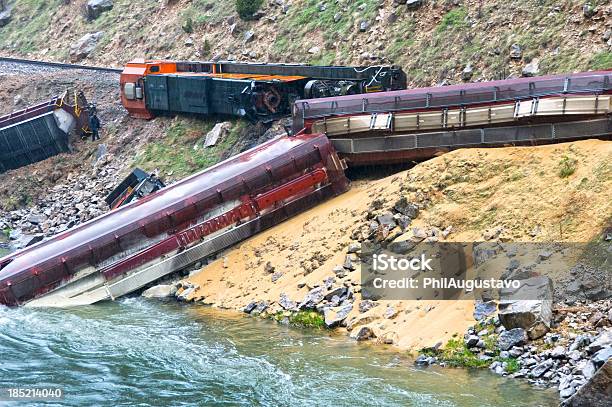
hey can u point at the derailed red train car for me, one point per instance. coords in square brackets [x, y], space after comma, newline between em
[130, 247]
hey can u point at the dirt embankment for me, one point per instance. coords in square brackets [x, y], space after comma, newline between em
[522, 194]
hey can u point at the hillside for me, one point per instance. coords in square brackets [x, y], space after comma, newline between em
[433, 40]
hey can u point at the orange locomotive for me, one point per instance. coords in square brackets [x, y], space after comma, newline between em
[253, 90]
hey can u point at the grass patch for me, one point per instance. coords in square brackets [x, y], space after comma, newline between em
[177, 153]
[602, 60]
[567, 166]
[30, 22]
[453, 19]
[306, 319]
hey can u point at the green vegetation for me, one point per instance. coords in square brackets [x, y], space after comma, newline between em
[6, 232]
[457, 354]
[567, 166]
[603, 60]
[247, 8]
[453, 19]
[26, 31]
[181, 152]
[333, 22]
[307, 319]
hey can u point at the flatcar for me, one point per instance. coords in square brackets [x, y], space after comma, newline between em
[256, 91]
[168, 230]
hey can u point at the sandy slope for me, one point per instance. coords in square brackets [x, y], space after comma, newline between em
[517, 192]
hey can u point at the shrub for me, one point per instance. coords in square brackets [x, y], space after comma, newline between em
[247, 8]
[567, 166]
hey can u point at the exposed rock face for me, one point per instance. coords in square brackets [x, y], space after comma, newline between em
[84, 46]
[596, 392]
[534, 312]
[95, 8]
[160, 291]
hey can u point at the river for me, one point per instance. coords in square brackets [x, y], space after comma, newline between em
[145, 353]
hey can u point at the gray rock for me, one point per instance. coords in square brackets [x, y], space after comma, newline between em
[531, 69]
[588, 10]
[580, 342]
[558, 352]
[5, 17]
[366, 305]
[363, 333]
[516, 52]
[84, 46]
[337, 17]
[386, 220]
[585, 368]
[467, 73]
[424, 360]
[95, 8]
[541, 368]
[312, 299]
[287, 303]
[602, 356]
[414, 4]
[249, 36]
[336, 315]
[596, 392]
[354, 248]
[567, 392]
[483, 309]
[407, 208]
[512, 337]
[337, 291]
[602, 341]
[36, 218]
[250, 307]
[471, 341]
[364, 25]
[348, 263]
[160, 291]
[261, 307]
[529, 307]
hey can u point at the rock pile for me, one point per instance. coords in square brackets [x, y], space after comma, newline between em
[78, 200]
[567, 358]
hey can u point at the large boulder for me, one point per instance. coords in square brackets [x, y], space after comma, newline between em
[5, 17]
[529, 307]
[84, 46]
[95, 8]
[596, 392]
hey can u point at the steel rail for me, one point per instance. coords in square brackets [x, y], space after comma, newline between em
[60, 65]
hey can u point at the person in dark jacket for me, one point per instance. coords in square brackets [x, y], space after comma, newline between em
[94, 124]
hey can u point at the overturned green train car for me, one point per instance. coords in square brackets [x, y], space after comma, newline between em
[41, 131]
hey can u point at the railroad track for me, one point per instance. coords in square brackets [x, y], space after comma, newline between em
[60, 65]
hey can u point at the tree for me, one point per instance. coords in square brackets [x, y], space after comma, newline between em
[247, 8]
